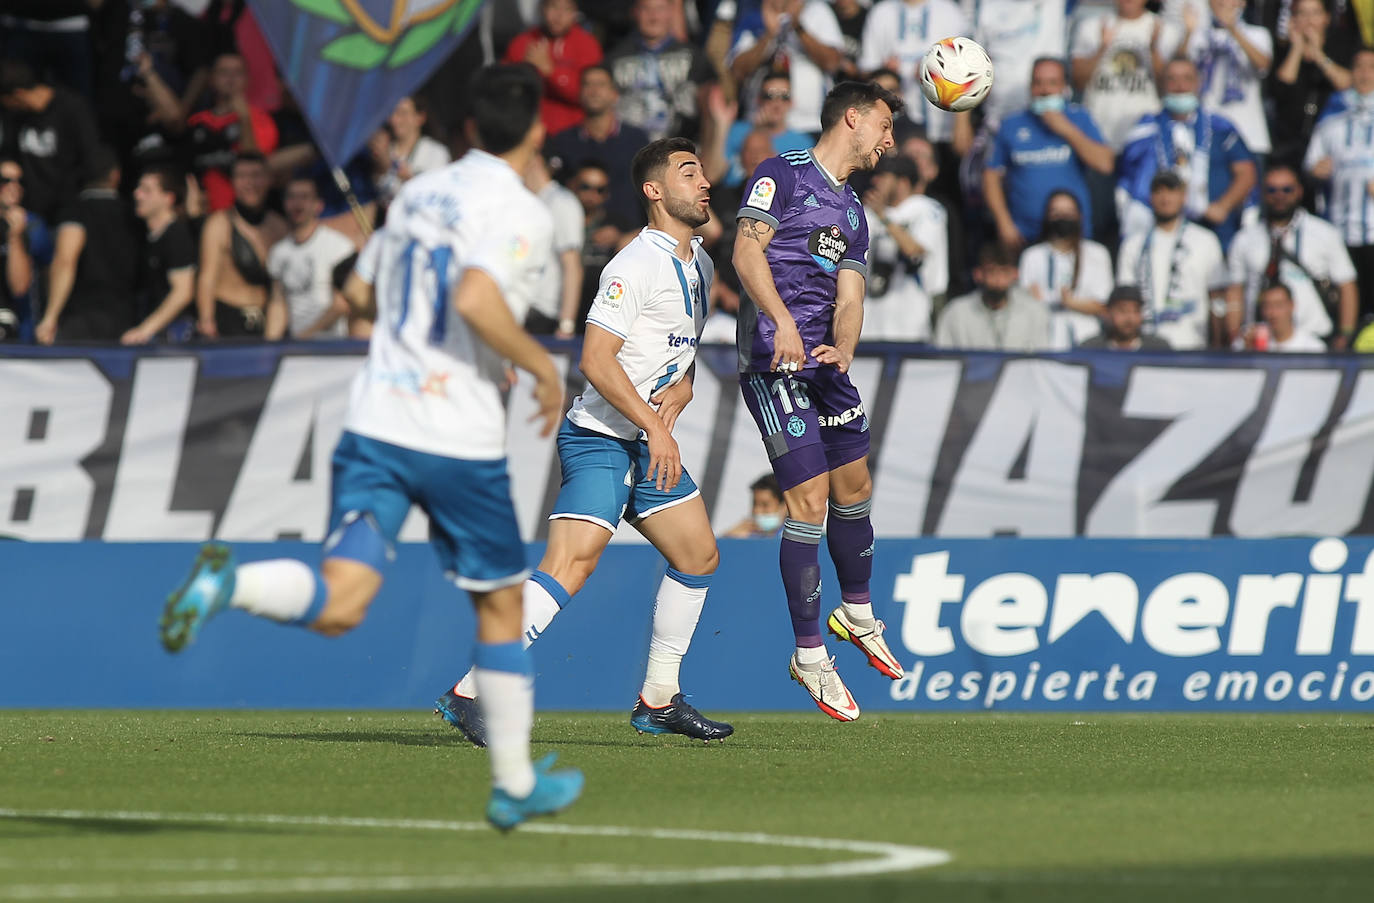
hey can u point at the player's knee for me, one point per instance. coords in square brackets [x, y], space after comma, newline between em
[701, 561]
[807, 507]
[339, 618]
[844, 496]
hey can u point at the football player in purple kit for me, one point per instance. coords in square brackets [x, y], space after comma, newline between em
[801, 253]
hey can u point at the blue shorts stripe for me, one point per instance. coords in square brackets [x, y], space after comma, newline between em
[691, 581]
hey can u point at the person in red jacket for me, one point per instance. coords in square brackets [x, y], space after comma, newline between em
[560, 49]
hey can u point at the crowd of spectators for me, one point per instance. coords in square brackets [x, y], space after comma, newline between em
[1185, 174]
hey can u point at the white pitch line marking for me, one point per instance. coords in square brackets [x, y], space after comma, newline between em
[882, 858]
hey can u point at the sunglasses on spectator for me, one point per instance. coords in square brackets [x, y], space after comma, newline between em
[777, 95]
[588, 186]
[9, 180]
[1280, 189]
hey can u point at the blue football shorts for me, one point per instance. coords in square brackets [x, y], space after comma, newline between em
[606, 478]
[472, 523]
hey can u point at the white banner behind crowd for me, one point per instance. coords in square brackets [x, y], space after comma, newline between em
[234, 443]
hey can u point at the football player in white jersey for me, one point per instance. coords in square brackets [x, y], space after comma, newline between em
[425, 425]
[616, 447]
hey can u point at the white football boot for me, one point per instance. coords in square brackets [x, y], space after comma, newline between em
[869, 640]
[826, 688]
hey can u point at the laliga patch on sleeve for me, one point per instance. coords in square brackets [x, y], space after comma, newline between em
[762, 194]
[612, 293]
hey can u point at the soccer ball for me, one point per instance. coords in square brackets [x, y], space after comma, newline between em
[956, 74]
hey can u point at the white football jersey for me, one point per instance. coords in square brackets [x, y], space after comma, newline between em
[430, 384]
[656, 302]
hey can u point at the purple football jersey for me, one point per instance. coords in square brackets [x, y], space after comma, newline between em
[820, 230]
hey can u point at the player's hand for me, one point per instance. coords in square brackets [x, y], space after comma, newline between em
[136, 336]
[665, 461]
[46, 331]
[835, 357]
[510, 377]
[671, 400]
[548, 394]
[788, 352]
[1322, 168]
[1216, 213]
[207, 327]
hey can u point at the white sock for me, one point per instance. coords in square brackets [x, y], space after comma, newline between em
[861, 613]
[281, 589]
[812, 655]
[540, 610]
[676, 612]
[507, 701]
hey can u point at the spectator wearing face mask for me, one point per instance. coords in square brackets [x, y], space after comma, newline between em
[768, 511]
[1042, 149]
[1069, 273]
[1000, 315]
[1203, 149]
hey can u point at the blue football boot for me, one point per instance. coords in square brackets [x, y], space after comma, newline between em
[205, 594]
[464, 713]
[677, 717]
[553, 791]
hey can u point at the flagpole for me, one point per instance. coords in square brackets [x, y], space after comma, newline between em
[341, 180]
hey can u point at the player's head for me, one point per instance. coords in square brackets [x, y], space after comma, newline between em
[864, 111]
[503, 108]
[1362, 71]
[671, 181]
[160, 190]
[302, 202]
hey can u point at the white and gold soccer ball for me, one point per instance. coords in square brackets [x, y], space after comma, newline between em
[956, 74]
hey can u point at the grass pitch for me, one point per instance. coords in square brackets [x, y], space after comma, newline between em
[251, 806]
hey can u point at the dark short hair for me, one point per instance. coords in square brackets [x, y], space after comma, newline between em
[419, 102]
[504, 104]
[1125, 293]
[306, 178]
[901, 166]
[17, 75]
[1283, 167]
[883, 70]
[862, 96]
[767, 483]
[1272, 285]
[996, 254]
[101, 163]
[248, 157]
[1166, 178]
[598, 67]
[170, 181]
[652, 159]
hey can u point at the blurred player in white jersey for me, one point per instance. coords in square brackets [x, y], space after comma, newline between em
[616, 447]
[451, 274]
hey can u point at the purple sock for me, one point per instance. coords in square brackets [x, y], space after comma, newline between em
[849, 536]
[801, 578]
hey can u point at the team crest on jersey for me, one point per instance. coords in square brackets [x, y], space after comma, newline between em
[827, 246]
[853, 218]
[762, 194]
[796, 426]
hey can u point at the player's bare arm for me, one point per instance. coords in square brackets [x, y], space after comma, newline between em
[751, 264]
[478, 300]
[608, 377]
[849, 321]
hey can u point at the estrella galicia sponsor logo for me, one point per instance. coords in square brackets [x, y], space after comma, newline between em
[796, 426]
[828, 246]
[853, 218]
[1150, 627]
[844, 417]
